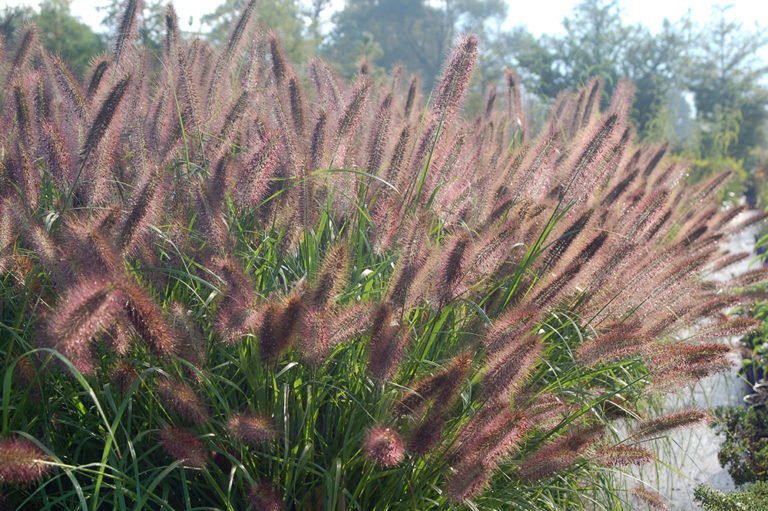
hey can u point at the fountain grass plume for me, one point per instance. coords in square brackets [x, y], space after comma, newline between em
[185, 447]
[127, 27]
[265, 497]
[383, 446]
[21, 462]
[387, 345]
[455, 79]
[650, 498]
[104, 117]
[183, 400]
[251, 429]
[665, 423]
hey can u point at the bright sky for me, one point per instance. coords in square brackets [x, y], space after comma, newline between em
[543, 16]
[546, 16]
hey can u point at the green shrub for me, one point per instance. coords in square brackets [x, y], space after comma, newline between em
[753, 498]
[745, 449]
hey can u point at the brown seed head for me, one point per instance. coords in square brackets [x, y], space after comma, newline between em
[251, 429]
[382, 445]
[184, 446]
[184, 401]
[264, 497]
[21, 462]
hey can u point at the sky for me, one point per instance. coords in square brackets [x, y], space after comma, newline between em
[541, 17]
[546, 16]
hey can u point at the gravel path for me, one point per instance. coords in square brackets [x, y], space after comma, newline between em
[693, 453]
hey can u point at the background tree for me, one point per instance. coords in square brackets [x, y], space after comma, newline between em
[726, 76]
[596, 42]
[652, 62]
[151, 22]
[415, 33]
[285, 17]
[67, 36]
[60, 32]
[11, 20]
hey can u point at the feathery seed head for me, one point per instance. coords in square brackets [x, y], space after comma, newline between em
[666, 423]
[279, 64]
[98, 68]
[126, 30]
[184, 401]
[383, 446]
[264, 497]
[184, 446]
[650, 498]
[440, 389]
[278, 326]
[455, 81]
[387, 344]
[103, 119]
[506, 370]
[469, 481]
[354, 110]
[251, 429]
[123, 374]
[315, 332]
[559, 454]
[295, 95]
[621, 456]
[28, 41]
[239, 30]
[426, 437]
[330, 277]
[410, 99]
[147, 318]
[21, 462]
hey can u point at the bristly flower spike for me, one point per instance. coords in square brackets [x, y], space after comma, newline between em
[296, 96]
[559, 454]
[87, 309]
[411, 97]
[515, 109]
[184, 446]
[666, 423]
[352, 114]
[330, 278]
[278, 326]
[450, 92]
[622, 456]
[27, 43]
[251, 429]
[21, 462]
[239, 30]
[650, 498]
[98, 70]
[279, 62]
[264, 497]
[103, 119]
[441, 389]
[387, 345]
[184, 401]
[383, 446]
[127, 28]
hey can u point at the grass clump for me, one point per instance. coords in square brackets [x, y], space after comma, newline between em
[226, 283]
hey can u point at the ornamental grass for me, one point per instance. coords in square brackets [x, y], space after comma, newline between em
[228, 283]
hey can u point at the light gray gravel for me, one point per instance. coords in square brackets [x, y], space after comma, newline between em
[693, 453]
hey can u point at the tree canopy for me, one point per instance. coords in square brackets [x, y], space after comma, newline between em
[60, 32]
[414, 33]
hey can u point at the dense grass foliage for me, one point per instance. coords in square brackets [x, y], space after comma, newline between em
[226, 283]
